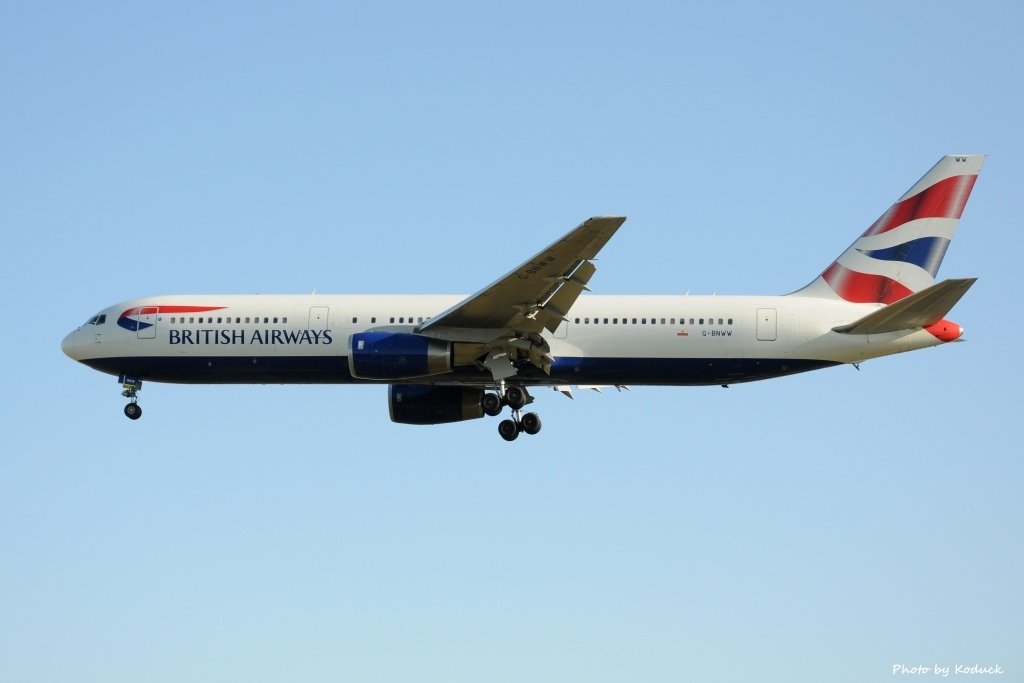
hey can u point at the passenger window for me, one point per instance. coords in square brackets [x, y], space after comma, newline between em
[606, 321]
[392, 319]
[615, 321]
[634, 321]
[275, 321]
[701, 321]
[284, 320]
[373, 319]
[266, 320]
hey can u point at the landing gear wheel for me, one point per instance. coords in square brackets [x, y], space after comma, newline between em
[515, 397]
[531, 423]
[508, 429]
[131, 386]
[491, 403]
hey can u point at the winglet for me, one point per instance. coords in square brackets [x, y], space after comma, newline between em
[920, 310]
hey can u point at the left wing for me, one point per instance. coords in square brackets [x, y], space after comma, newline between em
[537, 294]
[503, 322]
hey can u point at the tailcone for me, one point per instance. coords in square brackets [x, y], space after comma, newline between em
[945, 330]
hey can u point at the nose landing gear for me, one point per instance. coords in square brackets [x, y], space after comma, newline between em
[515, 398]
[131, 388]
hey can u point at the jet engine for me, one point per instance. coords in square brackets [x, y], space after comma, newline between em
[397, 355]
[418, 404]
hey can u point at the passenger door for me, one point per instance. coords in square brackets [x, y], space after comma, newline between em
[147, 322]
[767, 319]
[318, 317]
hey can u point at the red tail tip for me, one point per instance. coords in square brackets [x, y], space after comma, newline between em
[945, 330]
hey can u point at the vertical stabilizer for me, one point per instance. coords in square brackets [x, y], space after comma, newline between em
[901, 252]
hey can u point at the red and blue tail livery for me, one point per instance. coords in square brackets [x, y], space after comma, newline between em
[449, 358]
[901, 252]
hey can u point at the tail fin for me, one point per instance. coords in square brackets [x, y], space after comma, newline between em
[901, 252]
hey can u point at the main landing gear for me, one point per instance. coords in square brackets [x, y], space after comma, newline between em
[515, 398]
[132, 387]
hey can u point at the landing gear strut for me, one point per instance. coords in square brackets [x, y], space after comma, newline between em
[515, 398]
[131, 388]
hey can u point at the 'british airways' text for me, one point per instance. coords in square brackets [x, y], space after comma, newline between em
[282, 337]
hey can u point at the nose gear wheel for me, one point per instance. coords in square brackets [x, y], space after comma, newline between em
[130, 390]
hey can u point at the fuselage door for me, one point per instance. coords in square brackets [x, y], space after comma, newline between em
[767, 319]
[318, 317]
[147, 322]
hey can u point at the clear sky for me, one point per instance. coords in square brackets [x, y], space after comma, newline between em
[824, 526]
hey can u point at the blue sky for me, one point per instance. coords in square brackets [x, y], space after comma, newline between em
[826, 525]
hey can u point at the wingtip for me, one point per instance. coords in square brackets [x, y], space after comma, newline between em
[617, 220]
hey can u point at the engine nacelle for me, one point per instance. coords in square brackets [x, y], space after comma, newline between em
[418, 404]
[397, 355]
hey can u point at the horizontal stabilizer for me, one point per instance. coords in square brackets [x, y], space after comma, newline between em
[922, 309]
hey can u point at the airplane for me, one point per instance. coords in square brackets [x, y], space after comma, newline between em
[454, 358]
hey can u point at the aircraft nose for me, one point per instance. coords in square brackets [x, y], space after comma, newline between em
[68, 345]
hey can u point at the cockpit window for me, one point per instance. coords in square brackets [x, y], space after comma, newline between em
[97, 319]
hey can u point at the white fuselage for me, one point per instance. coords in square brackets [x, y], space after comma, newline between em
[658, 340]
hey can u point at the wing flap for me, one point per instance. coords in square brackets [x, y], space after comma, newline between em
[553, 312]
[922, 309]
